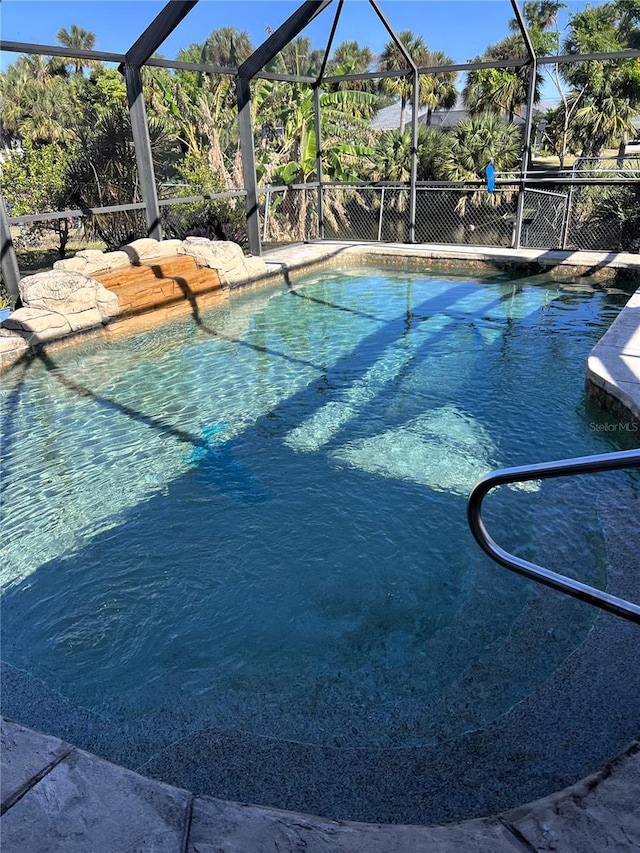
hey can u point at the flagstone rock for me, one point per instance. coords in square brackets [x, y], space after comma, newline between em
[92, 261]
[226, 257]
[146, 249]
[70, 293]
[38, 325]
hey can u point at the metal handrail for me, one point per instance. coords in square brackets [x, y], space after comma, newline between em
[543, 471]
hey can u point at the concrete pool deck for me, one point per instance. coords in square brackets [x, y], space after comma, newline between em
[59, 799]
[56, 797]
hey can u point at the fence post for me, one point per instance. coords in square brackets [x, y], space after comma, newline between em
[380, 217]
[267, 211]
[9, 261]
[142, 144]
[569, 208]
[528, 125]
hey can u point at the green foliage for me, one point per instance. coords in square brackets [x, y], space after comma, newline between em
[434, 90]
[33, 178]
[286, 150]
[34, 181]
[608, 91]
[501, 90]
[478, 139]
[109, 88]
[104, 172]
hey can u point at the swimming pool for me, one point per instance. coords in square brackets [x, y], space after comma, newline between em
[254, 522]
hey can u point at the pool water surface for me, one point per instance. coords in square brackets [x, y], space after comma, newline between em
[255, 519]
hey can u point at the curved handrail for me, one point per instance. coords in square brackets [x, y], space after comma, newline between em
[543, 471]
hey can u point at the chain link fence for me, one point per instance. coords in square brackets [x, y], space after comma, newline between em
[288, 214]
[465, 216]
[591, 217]
[600, 216]
[543, 220]
[220, 216]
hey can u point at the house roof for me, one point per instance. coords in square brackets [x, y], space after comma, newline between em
[388, 118]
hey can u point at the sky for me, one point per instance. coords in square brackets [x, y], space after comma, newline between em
[461, 28]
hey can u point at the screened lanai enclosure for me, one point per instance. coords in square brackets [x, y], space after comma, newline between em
[282, 143]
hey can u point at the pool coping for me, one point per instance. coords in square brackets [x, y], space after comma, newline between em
[61, 799]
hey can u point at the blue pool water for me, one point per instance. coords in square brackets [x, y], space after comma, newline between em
[255, 519]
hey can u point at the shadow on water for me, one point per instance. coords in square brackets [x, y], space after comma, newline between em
[158, 576]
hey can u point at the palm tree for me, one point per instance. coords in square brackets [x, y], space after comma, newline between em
[392, 160]
[52, 113]
[105, 172]
[298, 58]
[78, 39]
[350, 58]
[475, 141]
[438, 91]
[391, 59]
[610, 91]
[226, 47]
[503, 90]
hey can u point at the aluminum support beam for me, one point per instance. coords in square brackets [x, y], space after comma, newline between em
[8, 259]
[526, 153]
[325, 58]
[285, 33]
[158, 31]
[523, 30]
[56, 50]
[284, 78]
[427, 69]
[155, 62]
[368, 75]
[414, 157]
[316, 121]
[403, 50]
[588, 57]
[526, 146]
[245, 126]
[102, 56]
[144, 160]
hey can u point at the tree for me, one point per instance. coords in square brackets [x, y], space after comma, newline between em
[434, 90]
[290, 156]
[226, 47]
[505, 90]
[78, 39]
[392, 59]
[609, 90]
[39, 101]
[34, 181]
[350, 58]
[297, 58]
[104, 172]
[473, 143]
[438, 90]
[392, 159]
[478, 139]
[502, 90]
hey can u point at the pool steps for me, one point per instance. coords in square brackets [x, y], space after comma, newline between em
[152, 286]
